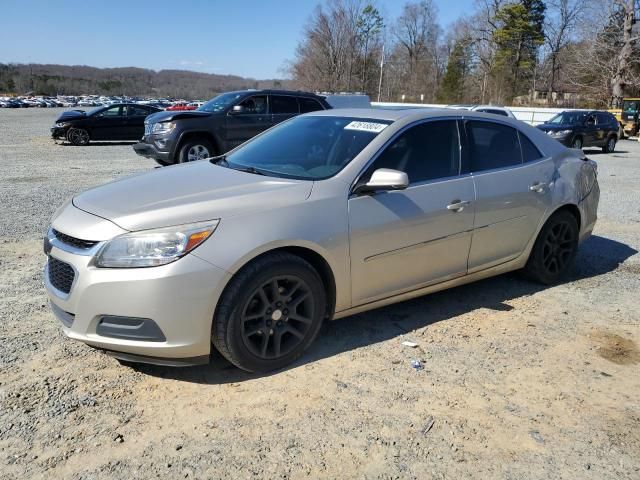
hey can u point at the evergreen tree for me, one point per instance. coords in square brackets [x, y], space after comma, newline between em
[458, 66]
[517, 39]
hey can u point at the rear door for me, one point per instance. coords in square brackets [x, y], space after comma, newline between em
[403, 240]
[513, 183]
[283, 107]
[249, 122]
[135, 121]
[591, 136]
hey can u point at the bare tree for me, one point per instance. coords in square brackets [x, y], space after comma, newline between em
[626, 53]
[559, 30]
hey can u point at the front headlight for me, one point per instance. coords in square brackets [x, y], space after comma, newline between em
[561, 133]
[151, 248]
[62, 124]
[163, 127]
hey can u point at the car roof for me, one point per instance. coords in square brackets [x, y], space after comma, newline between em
[408, 115]
[298, 93]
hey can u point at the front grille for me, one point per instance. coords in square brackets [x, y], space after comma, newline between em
[61, 275]
[74, 242]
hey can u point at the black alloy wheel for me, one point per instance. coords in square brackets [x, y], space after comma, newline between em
[555, 249]
[269, 313]
[78, 136]
[277, 317]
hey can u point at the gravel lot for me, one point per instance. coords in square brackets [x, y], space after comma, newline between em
[519, 381]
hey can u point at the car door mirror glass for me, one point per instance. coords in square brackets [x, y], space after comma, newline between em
[384, 179]
[237, 109]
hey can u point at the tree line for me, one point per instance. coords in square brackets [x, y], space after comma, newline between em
[52, 80]
[503, 51]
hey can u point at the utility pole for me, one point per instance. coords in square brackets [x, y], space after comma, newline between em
[381, 67]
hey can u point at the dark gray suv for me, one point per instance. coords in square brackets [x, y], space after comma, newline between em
[221, 124]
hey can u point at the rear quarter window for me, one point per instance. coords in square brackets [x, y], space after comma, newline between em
[309, 105]
[530, 152]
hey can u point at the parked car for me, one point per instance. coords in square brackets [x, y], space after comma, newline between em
[493, 109]
[114, 122]
[221, 124]
[584, 128]
[326, 215]
[180, 107]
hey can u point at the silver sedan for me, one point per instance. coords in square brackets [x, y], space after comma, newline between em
[326, 215]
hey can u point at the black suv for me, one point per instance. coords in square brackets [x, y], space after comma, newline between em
[584, 128]
[221, 124]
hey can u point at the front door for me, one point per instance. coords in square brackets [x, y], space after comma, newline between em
[404, 240]
[283, 107]
[513, 184]
[252, 118]
[135, 121]
[110, 124]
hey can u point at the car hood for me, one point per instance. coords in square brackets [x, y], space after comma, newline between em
[188, 193]
[71, 115]
[166, 116]
[554, 127]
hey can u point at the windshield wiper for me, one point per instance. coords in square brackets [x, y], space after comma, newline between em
[253, 170]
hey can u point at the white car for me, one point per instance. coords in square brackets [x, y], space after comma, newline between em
[495, 110]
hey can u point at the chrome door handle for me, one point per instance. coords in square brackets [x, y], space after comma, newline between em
[537, 187]
[457, 205]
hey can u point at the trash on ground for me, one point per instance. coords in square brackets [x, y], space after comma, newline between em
[407, 343]
[417, 364]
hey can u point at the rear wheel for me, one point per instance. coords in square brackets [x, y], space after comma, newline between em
[577, 143]
[610, 146]
[78, 136]
[270, 313]
[554, 250]
[196, 149]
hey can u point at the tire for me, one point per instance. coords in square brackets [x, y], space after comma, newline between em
[78, 136]
[252, 326]
[555, 249]
[196, 149]
[610, 146]
[577, 143]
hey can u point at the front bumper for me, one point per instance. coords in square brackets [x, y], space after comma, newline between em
[149, 150]
[59, 132]
[179, 298]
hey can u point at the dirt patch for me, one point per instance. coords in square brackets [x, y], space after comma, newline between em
[615, 348]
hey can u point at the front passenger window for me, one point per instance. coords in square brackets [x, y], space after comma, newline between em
[428, 151]
[492, 145]
[256, 105]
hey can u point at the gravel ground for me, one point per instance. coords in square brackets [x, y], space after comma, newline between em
[519, 381]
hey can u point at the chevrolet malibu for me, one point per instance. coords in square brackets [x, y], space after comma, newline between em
[328, 214]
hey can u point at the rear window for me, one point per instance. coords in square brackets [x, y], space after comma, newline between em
[309, 105]
[530, 152]
[493, 145]
[283, 104]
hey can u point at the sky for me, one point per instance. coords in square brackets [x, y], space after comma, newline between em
[251, 38]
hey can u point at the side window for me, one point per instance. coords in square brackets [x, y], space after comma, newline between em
[492, 145]
[309, 105]
[113, 112]
[591, 120]
[603, 119]
[283, 104]
[255, 105]
[530, 152]
[425, 152]
[136, 110]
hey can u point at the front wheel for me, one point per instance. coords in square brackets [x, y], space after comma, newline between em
[78, 136]
[196, 149]
[555, 249]
[270, 313]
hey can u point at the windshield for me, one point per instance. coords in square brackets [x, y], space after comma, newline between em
[95, 110]
[308, 148]
[630, 106]
[567, 118]
[219, 103]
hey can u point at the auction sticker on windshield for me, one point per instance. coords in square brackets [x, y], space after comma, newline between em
[366, 126]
